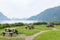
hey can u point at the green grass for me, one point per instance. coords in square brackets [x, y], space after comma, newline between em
[12, 39]
[38, 28]
[57, 26]
[42, 27]
[22, 30]
[51, 35]
[1, 30]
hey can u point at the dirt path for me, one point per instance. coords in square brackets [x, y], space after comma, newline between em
[54, 29]
[33, 36]
[30, 37]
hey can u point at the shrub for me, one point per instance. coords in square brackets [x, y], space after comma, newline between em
[55, 23]
[17, 24]
[40, 23]
[4, 26]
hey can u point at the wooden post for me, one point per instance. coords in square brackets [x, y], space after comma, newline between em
[3, 33]
[11, 34]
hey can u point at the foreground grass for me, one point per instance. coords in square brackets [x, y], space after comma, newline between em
[51, 35]
[38, 28]
[22, 30]
[42, 27]
[12, 39]
[1, 30]
[57, 26]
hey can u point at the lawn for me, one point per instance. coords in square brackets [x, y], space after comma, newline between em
[1, 30]
[22, 30]
[51, 35]
[38, 28]
[57, 26]
[11, 38]
[42, 27]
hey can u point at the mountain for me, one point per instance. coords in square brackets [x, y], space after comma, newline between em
[3, 17]
[49, 15]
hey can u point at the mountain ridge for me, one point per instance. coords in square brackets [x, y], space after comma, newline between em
[48, 15]
[3, 17]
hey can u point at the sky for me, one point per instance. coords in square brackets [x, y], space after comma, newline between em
[25, 8]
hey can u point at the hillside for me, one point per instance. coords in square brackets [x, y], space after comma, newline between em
[49, 15]
[3, 17]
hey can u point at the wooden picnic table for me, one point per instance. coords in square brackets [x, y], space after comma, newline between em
[10, 31]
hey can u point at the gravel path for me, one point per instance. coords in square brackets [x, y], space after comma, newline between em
[54, 29]
[33, 36]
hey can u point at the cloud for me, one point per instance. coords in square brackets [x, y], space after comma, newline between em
[25, 8]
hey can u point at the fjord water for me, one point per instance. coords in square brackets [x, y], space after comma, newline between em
[16, 21]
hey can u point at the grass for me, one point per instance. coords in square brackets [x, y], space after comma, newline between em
[1, 30]
[57, 26]
[22, 30]
[38, 28]
[42, 27]
[51, 35]
[12, 39]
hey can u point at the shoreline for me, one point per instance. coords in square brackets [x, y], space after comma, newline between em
[16, 21]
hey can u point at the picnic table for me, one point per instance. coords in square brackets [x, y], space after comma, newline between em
[10, 31]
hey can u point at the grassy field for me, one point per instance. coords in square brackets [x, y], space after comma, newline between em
[1, 30]
[12, 39]
[57, 26]
[38, 28]
[22, 30]
[51, 35]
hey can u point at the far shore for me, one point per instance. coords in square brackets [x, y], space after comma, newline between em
[17, 21]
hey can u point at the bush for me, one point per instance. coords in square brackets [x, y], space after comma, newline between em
[55, 23]
[4, 26]
[10, 25]
[19, 24]
[40, 23]
[1, 26]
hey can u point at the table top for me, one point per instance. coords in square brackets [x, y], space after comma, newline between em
[10, 28]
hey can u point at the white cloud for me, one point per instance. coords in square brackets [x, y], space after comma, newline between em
[25, 8]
